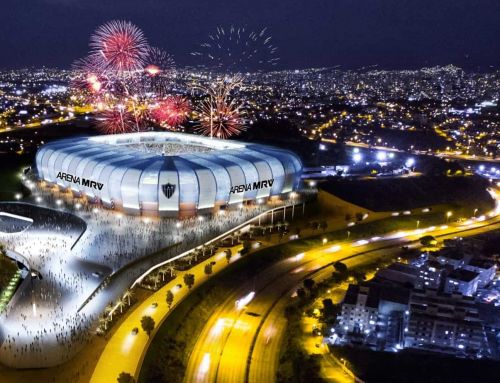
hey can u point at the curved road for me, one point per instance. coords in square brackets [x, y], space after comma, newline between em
[234, 339]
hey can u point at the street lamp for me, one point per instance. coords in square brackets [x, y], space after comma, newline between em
[418, 224]
[475, 212]
[448, 215]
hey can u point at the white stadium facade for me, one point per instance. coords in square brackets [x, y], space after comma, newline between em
[167, 174]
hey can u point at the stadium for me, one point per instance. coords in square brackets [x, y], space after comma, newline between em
[167, 174]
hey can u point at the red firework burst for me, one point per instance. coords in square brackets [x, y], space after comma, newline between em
[116, 121]
[158, 62]
[172, 111]
[119, 46]
[89, 77]
[220, 118]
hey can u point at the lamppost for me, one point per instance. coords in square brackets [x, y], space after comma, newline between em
[418, 224]
[448, 215]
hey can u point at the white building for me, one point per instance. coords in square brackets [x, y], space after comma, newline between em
[462, 281]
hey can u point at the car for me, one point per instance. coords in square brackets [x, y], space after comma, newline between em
[154, 305]
[135, 331]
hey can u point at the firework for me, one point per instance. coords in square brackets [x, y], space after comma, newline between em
[116, 120]
[119, 46]
[238, 49]
[89, 78]
[220, 118]
[158, 62]
[172, 111]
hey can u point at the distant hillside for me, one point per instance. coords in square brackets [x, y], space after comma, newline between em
[410, 193]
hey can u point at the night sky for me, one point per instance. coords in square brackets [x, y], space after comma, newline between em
[309, 33]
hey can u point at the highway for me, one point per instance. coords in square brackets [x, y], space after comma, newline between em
[240, 345]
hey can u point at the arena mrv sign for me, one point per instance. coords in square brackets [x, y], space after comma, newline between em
[80, 181]
[252, 186]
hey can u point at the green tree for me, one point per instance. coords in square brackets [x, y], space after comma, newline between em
[189, 280]
[125, 377]
[170, 298]
[147, 324]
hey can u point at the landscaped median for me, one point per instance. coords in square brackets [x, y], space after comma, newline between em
[125, 350]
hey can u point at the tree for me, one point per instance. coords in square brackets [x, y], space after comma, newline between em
[229, 254]
[324, 225]
[121, 305]
[428, 240]
[340, 267]
[301, 293]
[104, 321]
[247, 245]
[170, 298]
[125, 377]
[147, 324]
[156, 279]
[309, 283]
[208, 269]
[127, 295]
[163, 271]
[109, 310]
[189, 280]
[358, 275]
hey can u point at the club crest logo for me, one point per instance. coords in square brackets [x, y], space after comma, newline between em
[168, 190]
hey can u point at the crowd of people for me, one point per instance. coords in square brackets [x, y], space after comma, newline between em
[74, 250]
